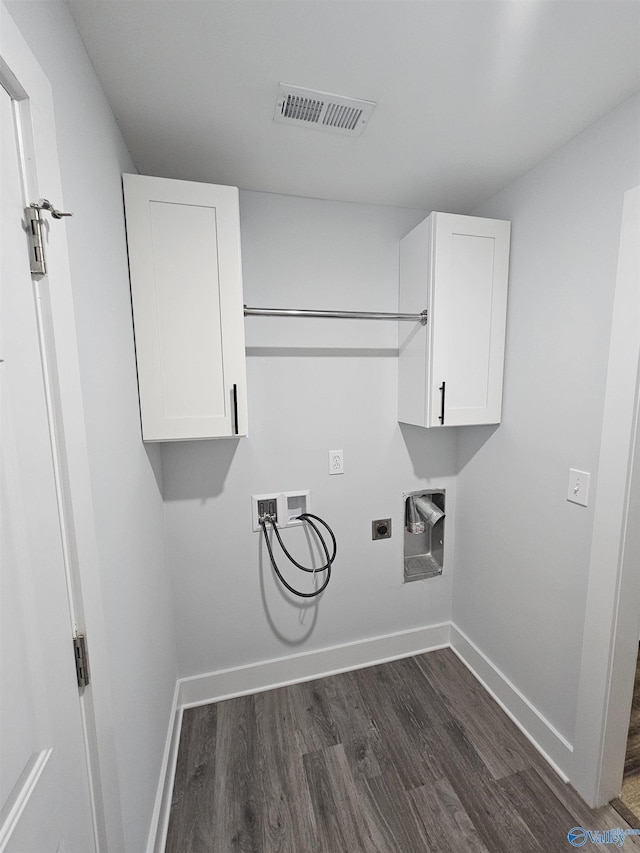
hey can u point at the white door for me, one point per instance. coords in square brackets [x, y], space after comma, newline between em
[45, 805]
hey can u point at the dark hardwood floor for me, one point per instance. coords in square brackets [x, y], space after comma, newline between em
[404, 757]
[632, 757]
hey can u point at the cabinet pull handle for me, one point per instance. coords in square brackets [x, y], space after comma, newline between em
[442, 390]
[235, 409]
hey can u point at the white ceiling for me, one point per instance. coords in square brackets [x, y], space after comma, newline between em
[470, 93]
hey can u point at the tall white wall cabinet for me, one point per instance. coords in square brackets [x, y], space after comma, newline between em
[186, 288]
[450, 371]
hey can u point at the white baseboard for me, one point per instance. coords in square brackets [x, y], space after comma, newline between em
[279, 672]
[160, 817]
[553, 747]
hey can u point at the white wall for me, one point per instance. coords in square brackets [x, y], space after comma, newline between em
[314, 385]
[126, 495]
[522, 551]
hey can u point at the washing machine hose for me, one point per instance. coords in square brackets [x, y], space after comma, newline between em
[307, 518]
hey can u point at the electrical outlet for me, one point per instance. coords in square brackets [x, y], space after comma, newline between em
[336, 462]
[381, 528]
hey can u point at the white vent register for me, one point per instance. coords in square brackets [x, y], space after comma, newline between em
[321, 110]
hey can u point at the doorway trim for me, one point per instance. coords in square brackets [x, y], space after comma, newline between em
[612, 616]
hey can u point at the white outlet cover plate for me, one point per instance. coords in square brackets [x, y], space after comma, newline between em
[578, 492]
[336, 462]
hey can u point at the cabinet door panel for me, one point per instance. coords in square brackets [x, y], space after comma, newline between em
[186, 337]
[186, 287]
[468, 314]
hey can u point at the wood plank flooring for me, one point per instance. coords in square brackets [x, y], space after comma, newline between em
[628, 803]
[411, 756]
[632, 757]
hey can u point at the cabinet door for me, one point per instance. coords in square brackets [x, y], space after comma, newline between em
[186, 288]
[468, 301]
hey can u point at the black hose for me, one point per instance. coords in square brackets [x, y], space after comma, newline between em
[305, 516]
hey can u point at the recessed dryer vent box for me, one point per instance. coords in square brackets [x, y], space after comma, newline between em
[424, 520]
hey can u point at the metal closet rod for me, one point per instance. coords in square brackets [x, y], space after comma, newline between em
[344, 315]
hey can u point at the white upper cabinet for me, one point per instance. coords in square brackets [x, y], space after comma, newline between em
[186, 289]
[450, 371]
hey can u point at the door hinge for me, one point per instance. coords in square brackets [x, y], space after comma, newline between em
[37, 258]
[82, 659]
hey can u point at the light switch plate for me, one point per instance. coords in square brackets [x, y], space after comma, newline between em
[578, 492]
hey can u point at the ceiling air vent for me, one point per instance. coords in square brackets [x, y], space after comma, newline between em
[333, 113]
